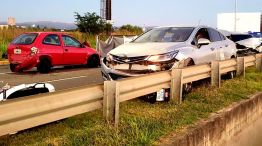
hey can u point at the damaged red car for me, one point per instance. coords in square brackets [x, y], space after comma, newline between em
[45, 50]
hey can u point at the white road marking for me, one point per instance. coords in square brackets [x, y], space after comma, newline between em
[65, 79]
[6, 73]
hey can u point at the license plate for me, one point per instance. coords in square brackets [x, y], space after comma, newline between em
[17, 51]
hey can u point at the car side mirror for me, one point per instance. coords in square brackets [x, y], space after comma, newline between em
[202, 42]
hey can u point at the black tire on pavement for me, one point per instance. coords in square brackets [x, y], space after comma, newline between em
[12, 67]
[93, 61]
[44, 66]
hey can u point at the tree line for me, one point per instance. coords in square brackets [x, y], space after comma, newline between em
[93, 24]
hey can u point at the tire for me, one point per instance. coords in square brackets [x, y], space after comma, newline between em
[44, 66]
[12, 67]
[188, 87]
[93, 62]
[151, 98]
[231, 75]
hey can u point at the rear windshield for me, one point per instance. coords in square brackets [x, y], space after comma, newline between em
[25, 39]
[166, 34]
[237, 38]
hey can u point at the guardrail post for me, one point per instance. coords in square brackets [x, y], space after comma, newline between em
[111, 101]
[241, 66]
[259, 62]
[215, 73]
[176, 85]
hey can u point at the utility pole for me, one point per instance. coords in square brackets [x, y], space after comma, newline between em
[235, 15]
[106, 9]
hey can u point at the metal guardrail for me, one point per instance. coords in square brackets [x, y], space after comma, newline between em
[25, 113]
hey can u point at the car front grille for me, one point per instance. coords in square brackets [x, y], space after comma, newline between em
[129, 59]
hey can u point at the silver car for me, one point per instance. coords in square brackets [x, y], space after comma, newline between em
[164, 48]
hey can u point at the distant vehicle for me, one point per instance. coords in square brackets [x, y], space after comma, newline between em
[246, 43]
[25, 90]
[45, 50]
[164, 48]
[259, 36]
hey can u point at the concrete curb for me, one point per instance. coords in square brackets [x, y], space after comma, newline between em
[4, 62]
[220, 127]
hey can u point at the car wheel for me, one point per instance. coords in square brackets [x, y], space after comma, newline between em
[93, 61]
[12, 67]
[187, 88]
[231, 75]
[151, 98]
[44, 66]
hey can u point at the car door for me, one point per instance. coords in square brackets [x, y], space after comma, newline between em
[74, 52]
[52, 46]
[218, 43]
[204, 53]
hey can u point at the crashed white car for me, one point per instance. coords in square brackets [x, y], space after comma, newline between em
[246, 43]
[164, 48]
[22, 90]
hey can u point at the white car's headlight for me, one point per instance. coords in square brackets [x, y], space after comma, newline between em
[162, 57]
[109, 57]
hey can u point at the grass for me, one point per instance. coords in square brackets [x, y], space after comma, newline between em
[140, 123]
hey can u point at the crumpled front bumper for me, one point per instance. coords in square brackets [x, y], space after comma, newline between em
[112, 74]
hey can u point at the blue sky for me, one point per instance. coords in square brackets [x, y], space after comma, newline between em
[137, 12]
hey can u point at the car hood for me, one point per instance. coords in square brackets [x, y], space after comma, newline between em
[145, 49]
[250, 43]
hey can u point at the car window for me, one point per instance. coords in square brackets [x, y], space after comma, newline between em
[222, 36]
[71, 42]
[166, 34]
[52, 39]
[214, 35]
[202, 33]
[25, 39]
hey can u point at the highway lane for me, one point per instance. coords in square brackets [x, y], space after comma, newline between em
[61, 78]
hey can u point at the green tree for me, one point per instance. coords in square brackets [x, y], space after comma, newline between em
[91, 23]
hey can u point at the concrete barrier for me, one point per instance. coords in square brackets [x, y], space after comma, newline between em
[221, 126]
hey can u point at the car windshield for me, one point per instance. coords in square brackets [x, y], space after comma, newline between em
[25, 39]
[237, 38]
[166, 34]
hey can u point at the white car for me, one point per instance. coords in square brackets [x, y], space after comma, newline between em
[164, 48]
[25, 90]
[246, 43]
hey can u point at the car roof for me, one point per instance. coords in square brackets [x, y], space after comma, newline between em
[47, 33]
[193, 26]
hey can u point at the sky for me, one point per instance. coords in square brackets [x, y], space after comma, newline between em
[135, 12]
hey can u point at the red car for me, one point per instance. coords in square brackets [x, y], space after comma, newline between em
[47, 49]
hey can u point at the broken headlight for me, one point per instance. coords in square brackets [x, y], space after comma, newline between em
[162, 57]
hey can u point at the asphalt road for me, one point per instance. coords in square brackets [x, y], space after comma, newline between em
[61, 78]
